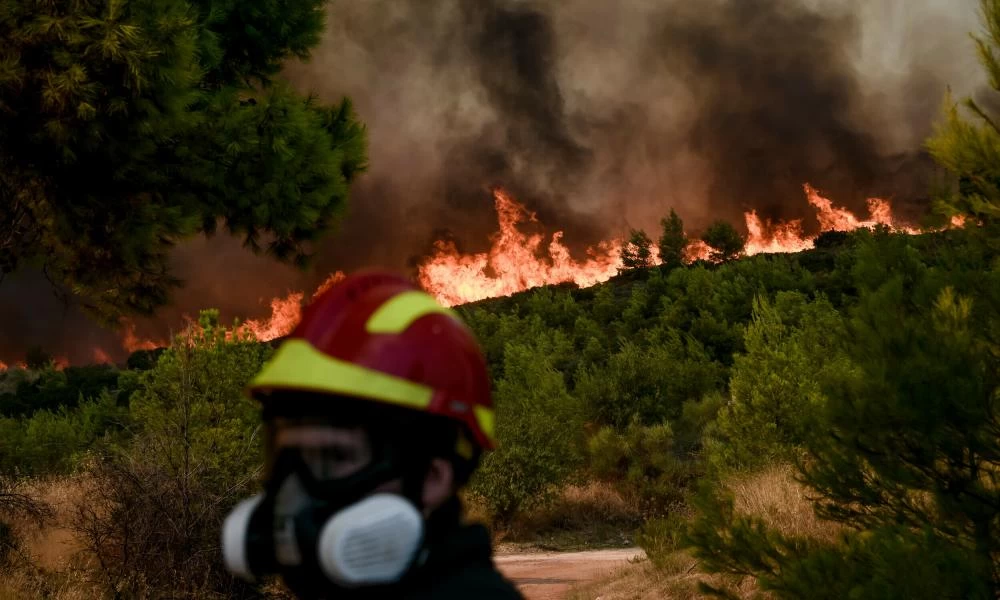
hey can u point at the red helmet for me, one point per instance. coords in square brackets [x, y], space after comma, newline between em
[377, 337]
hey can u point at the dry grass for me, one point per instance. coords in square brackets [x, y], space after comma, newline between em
[56, 570]
[579, 517]
[772, 495]
[781, 503]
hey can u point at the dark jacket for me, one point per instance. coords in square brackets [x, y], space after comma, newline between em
[460, 565]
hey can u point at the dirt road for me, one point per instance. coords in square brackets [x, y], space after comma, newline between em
[550, 575]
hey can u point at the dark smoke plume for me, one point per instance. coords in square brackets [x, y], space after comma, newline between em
[597, 115]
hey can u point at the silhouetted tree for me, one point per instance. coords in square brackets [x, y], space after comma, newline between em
[637, 252]
[726, 243]
[673, 241]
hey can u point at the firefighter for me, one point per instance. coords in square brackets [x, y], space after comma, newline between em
[376, 411]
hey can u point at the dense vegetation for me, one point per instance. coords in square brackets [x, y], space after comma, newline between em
[870, 363]
[655, 382]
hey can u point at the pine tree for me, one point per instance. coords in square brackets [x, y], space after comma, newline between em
[726, 243]
[673, 241]
[970, 150]
[904, 446]
[637, 253]
[126, 127]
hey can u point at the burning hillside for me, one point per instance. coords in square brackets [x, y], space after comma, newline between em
[518, 261]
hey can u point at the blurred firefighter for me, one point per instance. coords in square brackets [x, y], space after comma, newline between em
[377, 409]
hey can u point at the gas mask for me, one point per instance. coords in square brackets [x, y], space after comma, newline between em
[322, 533]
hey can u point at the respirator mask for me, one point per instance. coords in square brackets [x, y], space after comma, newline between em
[320, 531]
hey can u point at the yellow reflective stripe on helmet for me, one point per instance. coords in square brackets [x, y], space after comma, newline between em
[403, 309]
[297, 365]
[485, 418]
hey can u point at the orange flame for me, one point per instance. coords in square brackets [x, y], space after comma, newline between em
[285, 315]
[133, 343]
[780, 237]
[517, 261]
[697, 250]
[60, 363]
[3, 366]
[788, 236]
[512, 263]
[328, 283]
[101, 357]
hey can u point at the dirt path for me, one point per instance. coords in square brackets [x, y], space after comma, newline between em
[550, 575]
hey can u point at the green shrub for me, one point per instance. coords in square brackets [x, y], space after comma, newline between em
[650, 383]
[153, 515]
[661, 537]
[643, 460]
[775, 385]
[539, 426]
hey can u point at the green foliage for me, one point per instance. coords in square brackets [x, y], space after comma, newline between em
[129, 126]
[541, 426]
[673, 241]
[54, 441]
[661, 537]
[726, 243]
[643, 459]
[637, 252]
[903, 448]
[775, 387]
[971, 150]
[154, 516]
[888, 562]
[649, 383]
[51, 389]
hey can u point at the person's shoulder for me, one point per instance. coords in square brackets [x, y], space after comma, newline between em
[474, 581]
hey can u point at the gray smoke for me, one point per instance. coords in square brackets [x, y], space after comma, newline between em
[601, 115]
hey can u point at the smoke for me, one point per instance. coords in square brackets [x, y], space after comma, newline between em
[605, 115]
[600, 116]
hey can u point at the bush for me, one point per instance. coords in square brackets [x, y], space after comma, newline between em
[52, 442]
[775, 386]
[644, 460]
[539, 426]
[649, 383]
[153, 514]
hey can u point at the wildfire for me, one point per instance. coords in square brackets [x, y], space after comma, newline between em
[766, 237]
[840, 219]
[697, 250]
[285, 315]
[131, 342]
[328, 283]
[512, 263]
[518, 261]
[101, 357]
